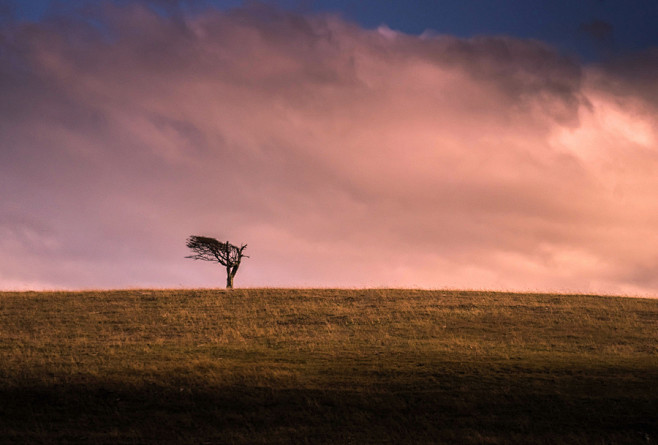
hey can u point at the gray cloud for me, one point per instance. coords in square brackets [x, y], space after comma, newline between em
[600, 31]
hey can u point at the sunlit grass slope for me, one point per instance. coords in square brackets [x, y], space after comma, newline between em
[327, 366]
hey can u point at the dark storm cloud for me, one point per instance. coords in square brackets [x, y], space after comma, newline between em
[599, 30]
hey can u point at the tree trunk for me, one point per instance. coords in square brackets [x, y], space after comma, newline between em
[230, 274]
[229, 278]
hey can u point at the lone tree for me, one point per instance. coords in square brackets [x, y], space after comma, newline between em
[226, 254]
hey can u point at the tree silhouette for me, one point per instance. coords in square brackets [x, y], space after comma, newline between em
[226, 254]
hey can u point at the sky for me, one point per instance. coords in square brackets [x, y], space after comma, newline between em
[431, 144]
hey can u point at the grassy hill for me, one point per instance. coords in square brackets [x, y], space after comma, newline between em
[327, 366]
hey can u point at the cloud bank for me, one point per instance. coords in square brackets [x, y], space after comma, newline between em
[342, 156]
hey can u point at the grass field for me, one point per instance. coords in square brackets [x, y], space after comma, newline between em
[327, 366]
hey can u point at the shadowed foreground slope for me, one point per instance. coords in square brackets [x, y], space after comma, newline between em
[326, 366]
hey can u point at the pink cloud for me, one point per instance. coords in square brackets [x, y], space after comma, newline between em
[342, 156]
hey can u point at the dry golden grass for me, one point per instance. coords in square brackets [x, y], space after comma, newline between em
[327, 366]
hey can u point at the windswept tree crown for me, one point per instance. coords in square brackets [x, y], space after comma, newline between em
[209, 249]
